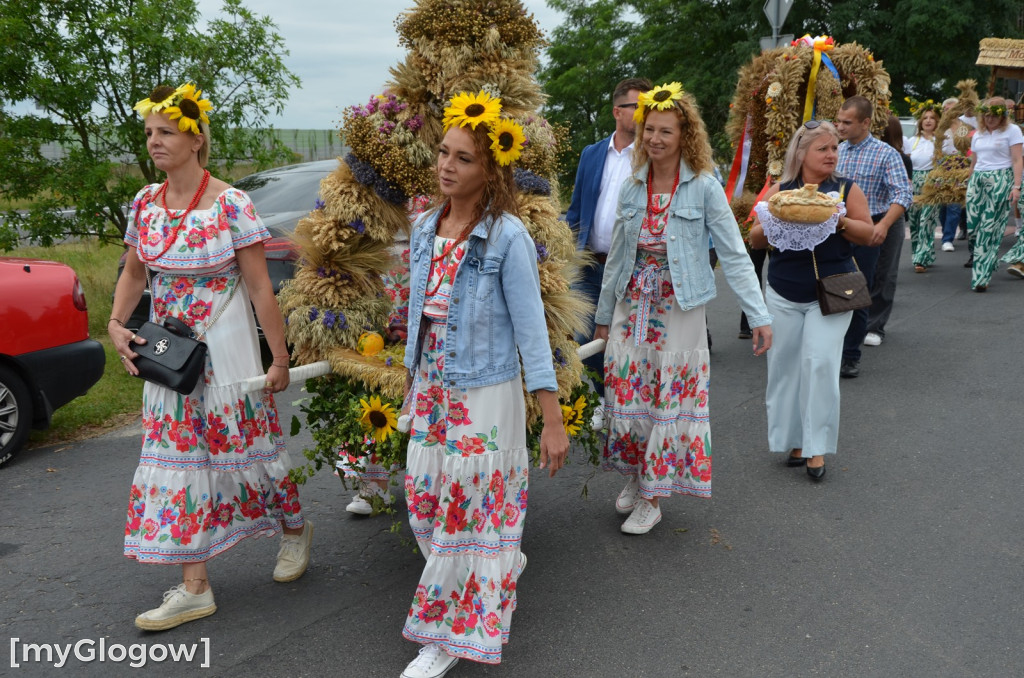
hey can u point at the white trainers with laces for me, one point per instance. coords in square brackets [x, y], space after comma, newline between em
[362, 504]
[948, 247]
[872, 339]
[626, 501]
[597, 419]
[293, 556]
[643, 518]
[179, 606]
[431, 662]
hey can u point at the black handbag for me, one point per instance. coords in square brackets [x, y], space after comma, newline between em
[843, 291]
[171, 356]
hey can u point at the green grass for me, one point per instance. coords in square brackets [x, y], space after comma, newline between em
[116, 398]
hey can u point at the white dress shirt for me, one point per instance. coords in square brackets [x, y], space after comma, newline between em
[617, 166]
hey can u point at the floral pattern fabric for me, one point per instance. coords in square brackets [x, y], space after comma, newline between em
[466, 489]
[656, 387]
[213, 468]
[445, 257]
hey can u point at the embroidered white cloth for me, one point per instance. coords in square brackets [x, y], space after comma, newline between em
[787, 235]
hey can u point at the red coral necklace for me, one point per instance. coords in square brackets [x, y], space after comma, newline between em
[161, 193]
[653, 211]
[446, 250]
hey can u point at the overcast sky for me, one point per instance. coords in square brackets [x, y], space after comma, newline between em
[341, 49]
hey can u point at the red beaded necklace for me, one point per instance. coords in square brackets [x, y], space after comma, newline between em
[446, 250]
[652, 211]
[161, 193]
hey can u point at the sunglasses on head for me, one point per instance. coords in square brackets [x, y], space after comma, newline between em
[812, 124]
[633, 105]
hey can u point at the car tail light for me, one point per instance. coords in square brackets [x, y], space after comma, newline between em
[78, 295]
[281, 249]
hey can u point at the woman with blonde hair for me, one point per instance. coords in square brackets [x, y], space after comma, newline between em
[214, 469]
[994, 186]
[802, 396]
[651, 309]
[474, 310]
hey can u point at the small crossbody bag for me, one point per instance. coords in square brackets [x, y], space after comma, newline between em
[173, 355]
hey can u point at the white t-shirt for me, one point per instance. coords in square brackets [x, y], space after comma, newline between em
[617, 166]
[992, 149]
[920, 151]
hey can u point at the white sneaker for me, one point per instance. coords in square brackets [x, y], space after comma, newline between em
[948, 247]
[872, 339]
[362, 504]
[643, 518]
[626, 501]
[293, 556]
[179, 606]
[431, 662]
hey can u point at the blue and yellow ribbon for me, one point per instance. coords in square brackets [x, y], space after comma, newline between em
[822, 44]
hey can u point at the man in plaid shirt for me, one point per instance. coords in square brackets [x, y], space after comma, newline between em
[879, 171]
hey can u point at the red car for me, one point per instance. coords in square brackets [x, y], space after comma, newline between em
[46, 356]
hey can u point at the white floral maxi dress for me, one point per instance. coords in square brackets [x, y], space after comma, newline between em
[466, 488]
[213, 468]
[656, 378]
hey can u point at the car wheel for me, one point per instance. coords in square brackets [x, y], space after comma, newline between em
[15, 413]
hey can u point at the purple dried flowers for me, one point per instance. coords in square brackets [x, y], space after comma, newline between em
[528, 182]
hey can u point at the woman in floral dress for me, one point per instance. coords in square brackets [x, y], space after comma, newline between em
[651, 310]
[214, 469]
[474, 310]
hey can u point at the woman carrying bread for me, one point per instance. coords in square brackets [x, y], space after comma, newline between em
[657, 279]
[803, 365]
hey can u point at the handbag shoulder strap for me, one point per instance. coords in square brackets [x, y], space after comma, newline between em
[815, 261]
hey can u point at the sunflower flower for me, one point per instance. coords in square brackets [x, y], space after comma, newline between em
[507, 140]
[380, 417]
[471, 109]
[161, 97]
[663, 97]
[572, 417]
[190, 109]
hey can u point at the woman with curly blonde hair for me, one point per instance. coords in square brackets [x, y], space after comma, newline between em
[656, 281]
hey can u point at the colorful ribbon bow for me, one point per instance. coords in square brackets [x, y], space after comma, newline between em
[647, 280]
[821, 44]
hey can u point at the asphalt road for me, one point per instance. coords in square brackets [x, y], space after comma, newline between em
[906, 561]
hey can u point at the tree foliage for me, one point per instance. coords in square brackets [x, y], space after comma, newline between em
[84, 63]
[926, 46]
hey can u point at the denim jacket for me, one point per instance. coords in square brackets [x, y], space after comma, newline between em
[495, 307]
[698, 209]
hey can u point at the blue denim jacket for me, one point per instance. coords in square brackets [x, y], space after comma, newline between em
[495, 307]
[698, 209]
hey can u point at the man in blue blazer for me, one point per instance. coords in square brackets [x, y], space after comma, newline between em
[595, 195]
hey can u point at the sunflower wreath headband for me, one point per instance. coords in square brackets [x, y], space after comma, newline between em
[998, 110]
[661, 98]
[919, 108]
[469, 110]
[182, 104]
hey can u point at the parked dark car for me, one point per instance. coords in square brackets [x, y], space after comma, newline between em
[46, 356]
[282, 196]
